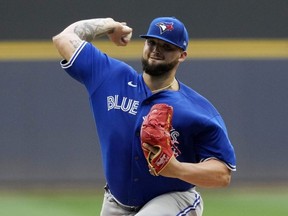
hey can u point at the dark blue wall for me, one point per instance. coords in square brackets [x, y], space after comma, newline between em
[47, 133]
[32, 19]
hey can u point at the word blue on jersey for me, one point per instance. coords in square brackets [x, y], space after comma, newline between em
[120, 100]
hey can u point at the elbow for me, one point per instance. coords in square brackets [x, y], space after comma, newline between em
[61, 43]
[57, 44]
[56, 40]
[225, 179]
[219, 181]
[60, 40]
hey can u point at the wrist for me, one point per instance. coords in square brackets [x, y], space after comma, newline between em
[173, 169]
[109, 24]
[103, 26]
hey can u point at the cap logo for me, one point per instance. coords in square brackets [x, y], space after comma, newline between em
[165, 26]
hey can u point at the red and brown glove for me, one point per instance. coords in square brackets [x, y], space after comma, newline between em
[155, 131]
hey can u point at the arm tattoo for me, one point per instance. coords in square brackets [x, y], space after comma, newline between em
[85, 31]
[89, 30]
[75, 43]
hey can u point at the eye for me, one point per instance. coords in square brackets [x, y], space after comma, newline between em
[168, 47]
[151, 42]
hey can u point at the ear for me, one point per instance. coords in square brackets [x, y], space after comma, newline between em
[183, 56]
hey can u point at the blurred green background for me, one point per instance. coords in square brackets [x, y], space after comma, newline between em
[236, 202]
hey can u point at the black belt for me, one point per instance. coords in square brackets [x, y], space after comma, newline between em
[125, 207]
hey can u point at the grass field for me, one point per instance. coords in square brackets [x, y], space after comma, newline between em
[243, 202]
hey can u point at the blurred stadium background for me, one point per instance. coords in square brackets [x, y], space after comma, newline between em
[238, 60]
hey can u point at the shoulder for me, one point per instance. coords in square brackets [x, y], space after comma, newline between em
[88, 54]
[195, 99]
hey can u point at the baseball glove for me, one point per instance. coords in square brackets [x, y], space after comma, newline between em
[155, 131]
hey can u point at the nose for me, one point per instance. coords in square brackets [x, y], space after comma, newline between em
[156, 48]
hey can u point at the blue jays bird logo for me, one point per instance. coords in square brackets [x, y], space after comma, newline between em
[165, 26]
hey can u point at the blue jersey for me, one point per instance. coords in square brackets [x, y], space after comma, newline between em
[120, 100]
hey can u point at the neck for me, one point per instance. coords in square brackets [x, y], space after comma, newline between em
[160, 83]
[169, 86]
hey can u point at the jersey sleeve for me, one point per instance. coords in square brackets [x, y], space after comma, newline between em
[214, 143]
[90, 66]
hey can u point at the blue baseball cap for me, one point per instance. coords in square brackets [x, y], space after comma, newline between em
[168, 29]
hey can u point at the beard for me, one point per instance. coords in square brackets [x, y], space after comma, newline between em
[157, 69]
